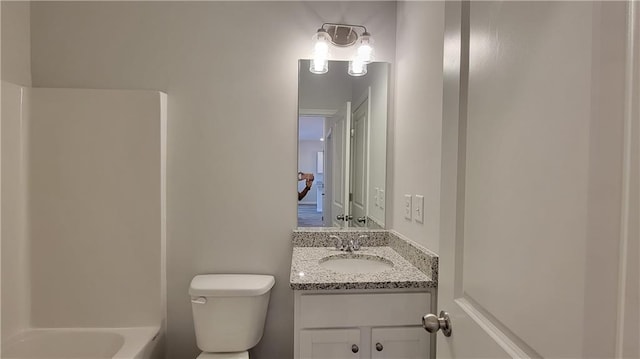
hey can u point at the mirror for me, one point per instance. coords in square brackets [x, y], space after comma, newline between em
[342, 144]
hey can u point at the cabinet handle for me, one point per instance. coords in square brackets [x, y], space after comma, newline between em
[354, 348]
[379, 347]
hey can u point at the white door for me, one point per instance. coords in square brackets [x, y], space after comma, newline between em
[340, 125]
[399, 343]
[533, 137]
[359, 169]
[330, 344]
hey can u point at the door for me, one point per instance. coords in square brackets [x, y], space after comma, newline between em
[330, 344]
[531, 178]
[359, 165]
[339, 146]
[399, 343]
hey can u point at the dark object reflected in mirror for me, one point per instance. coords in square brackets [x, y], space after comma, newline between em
[342, 143]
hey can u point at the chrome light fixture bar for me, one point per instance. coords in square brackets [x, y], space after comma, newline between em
[342, 35]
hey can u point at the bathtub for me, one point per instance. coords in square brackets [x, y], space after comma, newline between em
[84, 343]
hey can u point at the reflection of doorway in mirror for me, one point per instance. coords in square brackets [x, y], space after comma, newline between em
[359, 164]
[310, 143]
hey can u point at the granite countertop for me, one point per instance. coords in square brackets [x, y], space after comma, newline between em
[307, 274]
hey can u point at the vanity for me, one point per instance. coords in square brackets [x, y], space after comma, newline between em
[364, 303]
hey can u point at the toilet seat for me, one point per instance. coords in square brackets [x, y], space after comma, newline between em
[236, 355]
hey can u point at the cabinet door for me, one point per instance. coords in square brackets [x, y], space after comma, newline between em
[399, 343]
[330, 344]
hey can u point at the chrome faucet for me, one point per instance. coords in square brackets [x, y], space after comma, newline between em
[347, 245]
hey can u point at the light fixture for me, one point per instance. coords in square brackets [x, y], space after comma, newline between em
[342, 35]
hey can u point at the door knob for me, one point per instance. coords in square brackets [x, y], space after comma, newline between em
[432, 323]
[379, 347]
[348, 217]
[361, 219]
[340, 217]
[354, 348]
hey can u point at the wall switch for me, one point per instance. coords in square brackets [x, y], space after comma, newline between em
[381, 199]
[407, 206]
[418, 205]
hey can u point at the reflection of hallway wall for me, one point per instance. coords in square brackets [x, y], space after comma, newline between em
[307, 155]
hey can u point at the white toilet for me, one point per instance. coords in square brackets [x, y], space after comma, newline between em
[229, 312]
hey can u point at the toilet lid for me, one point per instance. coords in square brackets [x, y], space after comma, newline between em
[236, 355]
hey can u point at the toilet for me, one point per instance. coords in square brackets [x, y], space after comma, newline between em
[229, 312]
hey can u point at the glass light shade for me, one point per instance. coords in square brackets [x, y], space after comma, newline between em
[365, 48]
[319, 66]
[319, 63]
[357, 68]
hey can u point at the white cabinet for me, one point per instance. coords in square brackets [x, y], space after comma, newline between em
[399, 343]
[378, 324]
[330, 343]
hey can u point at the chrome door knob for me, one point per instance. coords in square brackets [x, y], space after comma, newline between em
[361, 219]
[340, 217]
[432, 323]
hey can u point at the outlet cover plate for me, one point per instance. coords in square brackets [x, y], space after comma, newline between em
[407, 206]
[418, 205]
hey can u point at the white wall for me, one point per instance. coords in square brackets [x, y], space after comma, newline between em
[232, 113]
[15, 68]
[95, 216]
[16, 44]
[15, 259]
[418, 118]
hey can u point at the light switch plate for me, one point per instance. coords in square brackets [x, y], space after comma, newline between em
[418, 205]
[407, 206]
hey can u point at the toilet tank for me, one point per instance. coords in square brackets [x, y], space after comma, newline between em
[229, 310]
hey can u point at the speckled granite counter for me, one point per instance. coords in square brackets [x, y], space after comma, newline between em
[413, 266]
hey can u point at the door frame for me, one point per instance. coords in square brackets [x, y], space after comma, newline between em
[628, 331]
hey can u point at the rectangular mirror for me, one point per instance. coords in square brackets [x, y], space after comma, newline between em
[342, 143]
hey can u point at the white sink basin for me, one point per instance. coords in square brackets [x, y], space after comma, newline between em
[355, 263]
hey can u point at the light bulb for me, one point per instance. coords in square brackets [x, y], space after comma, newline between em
[321, 48]
[357, 67]
[319, 63]
[365, 48]
[319, 66]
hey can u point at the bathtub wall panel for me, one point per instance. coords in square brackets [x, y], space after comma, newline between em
[96, 163]
[15, 261]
